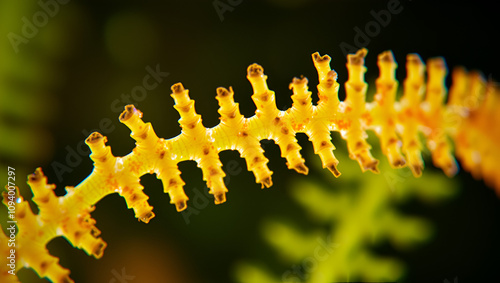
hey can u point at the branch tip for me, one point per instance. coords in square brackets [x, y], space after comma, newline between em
[177, 88]
[147, 217]
[333, 168]
[181, 205]
[220, 198]
[99, 249]
[36, 176]
[94, 138]
[127, 113]
[320, 59]
[301, 168]
[386, 57]
[299, 81]
[358, 58]
[414, 59]
[222, 92]
[255, 70]
[267, 182]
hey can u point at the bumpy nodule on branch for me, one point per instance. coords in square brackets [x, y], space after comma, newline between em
[468, 118]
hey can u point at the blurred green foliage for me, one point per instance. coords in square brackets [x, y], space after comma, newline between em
[352, 215]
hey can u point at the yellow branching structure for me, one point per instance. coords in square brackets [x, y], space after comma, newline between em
[468, 118]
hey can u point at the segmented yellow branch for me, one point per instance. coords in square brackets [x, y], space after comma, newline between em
[468, 118]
